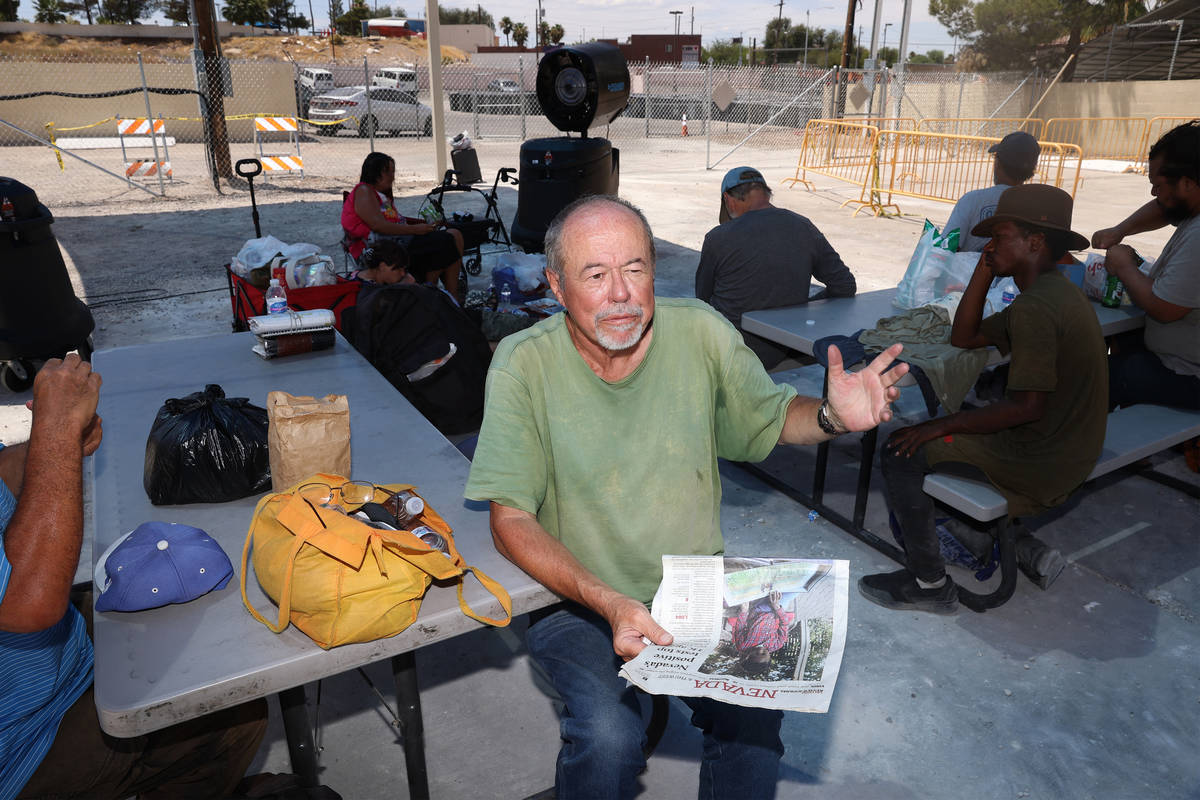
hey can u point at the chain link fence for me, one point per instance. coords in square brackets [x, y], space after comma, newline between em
[81, 131]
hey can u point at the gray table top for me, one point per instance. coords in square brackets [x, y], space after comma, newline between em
[159, 667]
[799, 327]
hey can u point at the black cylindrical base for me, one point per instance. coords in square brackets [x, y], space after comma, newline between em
[576, 167]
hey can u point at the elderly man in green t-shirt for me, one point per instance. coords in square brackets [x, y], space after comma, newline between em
[599, 453]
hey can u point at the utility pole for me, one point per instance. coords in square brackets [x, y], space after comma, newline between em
[537, 28]
[806, 38]
[778, 31]
[208, 47]
[693, 30]
[678, 55]
[847, 36]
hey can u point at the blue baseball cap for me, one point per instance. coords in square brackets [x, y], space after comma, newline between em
[159, 563]
[734, 178]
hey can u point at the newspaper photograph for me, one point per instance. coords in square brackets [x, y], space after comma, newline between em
[765, 632]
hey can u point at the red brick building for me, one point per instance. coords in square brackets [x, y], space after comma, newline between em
[659, 47]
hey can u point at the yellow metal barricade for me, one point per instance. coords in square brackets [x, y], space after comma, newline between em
[982, 126]
[944, 167]
[1155, 128]
[1118, 138]
[841, 150]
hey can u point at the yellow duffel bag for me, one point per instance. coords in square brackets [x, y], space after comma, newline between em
[341, 580]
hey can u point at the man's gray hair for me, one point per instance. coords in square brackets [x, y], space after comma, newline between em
[556, 257]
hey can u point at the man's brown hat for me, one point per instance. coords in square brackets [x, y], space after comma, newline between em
[1038, 205]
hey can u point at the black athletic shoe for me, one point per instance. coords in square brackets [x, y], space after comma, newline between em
[899, 590]
[1040, 562]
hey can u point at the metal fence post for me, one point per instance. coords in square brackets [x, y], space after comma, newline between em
[961, 85]
[524, 99]
[708, 113]
[646, 94]
[158, 167]
[370, 117]
[475, 102]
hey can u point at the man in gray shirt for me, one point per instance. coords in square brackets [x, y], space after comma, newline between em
[761, 256]
[1163, 368]
[1016, 160]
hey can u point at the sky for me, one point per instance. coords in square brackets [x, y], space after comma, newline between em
[588, 19]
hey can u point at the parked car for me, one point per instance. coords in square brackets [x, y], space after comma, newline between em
[316, 79]
[504, 85]
[396, 78]
[391, 110]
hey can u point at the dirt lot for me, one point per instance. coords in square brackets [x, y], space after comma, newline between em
[249, 48]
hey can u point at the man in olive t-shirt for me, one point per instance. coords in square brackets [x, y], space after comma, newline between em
[1036, 445]
[598, 452]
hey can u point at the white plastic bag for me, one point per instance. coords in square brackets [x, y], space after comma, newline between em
[257, 253]
[934, 271]
[1094, 275]
[461, 142]
[528, 268]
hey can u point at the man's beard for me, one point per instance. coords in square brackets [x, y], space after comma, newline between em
[624, 337]
[1174, 214]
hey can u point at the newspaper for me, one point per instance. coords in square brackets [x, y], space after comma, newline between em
[765, 632]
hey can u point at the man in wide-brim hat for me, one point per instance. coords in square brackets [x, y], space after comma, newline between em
[1037, 444]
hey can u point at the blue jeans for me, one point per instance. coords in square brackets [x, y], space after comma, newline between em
[603, 732]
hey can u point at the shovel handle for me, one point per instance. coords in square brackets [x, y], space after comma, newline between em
[255, 167]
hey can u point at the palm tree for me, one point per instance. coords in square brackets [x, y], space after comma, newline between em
[557, 33]
[520, 34]
[506, 27]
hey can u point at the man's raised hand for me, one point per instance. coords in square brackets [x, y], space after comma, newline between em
[859, 401]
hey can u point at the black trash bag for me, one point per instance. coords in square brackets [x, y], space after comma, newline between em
[207, 448]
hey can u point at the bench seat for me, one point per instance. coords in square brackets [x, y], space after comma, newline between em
[1132, 433]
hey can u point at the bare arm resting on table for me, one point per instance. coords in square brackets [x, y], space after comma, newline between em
[523, 541]
[43, 538]
[858, 401]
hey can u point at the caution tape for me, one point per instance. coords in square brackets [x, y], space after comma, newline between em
[57, 152]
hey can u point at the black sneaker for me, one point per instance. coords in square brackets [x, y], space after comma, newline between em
[1040, 562]
[899, 590]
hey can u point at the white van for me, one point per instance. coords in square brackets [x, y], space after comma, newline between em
[316, 79]
[401, 78]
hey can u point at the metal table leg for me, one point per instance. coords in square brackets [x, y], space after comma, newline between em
[299, 735]
[408, 702]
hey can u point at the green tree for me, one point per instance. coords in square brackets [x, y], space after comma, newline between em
[126, 11]
[721, 51]
[336, 9]
[8, 10]
[506, 27]
[49, 12]
[176, 11]
[520, 34]
[278, 12]
[350, 23]
[465, 16]
[83, 7]
[557, 33]
[244, 12]
[297, 22]
[543, 33]
[1013, 34]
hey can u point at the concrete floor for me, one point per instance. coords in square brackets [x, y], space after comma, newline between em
[1088, 690]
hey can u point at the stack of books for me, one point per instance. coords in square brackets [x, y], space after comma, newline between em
[294, 332]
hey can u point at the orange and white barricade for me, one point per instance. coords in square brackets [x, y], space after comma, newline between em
[145, 166]
[279, 162]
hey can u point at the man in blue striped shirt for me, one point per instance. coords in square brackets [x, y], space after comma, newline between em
[50, 738]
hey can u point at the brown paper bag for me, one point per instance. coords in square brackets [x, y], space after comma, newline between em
[307, 435]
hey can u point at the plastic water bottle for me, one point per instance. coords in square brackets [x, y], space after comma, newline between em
[276, 298]
[1008, 291]
[505, 294]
